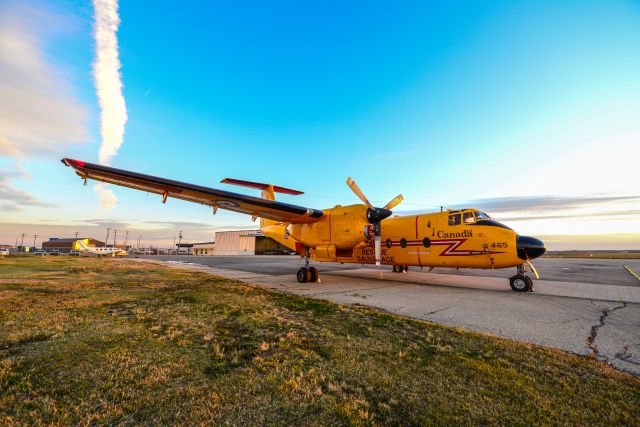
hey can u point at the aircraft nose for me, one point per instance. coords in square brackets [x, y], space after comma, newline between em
[530, 247]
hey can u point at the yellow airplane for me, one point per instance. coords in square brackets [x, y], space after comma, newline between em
[360, 233]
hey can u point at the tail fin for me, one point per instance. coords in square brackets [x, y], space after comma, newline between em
[82, 245]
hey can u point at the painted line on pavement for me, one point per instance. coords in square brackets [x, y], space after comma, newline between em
[633, 273]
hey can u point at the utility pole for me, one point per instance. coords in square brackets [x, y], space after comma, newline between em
[77, 235]
[115, 234]
[179, 240]
[106, 240]
[35, 236]
[139, 237]
[126, 239]
[22, 243]
[174, 245]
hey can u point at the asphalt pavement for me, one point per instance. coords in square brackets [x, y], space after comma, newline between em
[587, 270]
[579, 315]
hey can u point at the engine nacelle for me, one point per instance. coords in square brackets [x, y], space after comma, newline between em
[341, 226]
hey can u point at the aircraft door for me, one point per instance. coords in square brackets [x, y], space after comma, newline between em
[424, 230]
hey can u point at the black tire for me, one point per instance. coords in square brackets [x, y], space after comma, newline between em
[303, 275]
[520, 283]
[313, 274]
[397, 269]
[530, 283]
[405, 268]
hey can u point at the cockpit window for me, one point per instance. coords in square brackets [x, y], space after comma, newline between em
[481, 215]
[454, 219]
[468, 218]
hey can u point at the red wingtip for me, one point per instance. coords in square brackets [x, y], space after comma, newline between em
[73, 162]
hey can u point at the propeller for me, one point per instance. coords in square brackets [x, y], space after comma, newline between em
[375, 215]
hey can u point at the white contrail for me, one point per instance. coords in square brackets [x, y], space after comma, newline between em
[106, 74]
[106, 196]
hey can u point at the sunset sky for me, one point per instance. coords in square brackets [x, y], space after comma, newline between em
[529, 111]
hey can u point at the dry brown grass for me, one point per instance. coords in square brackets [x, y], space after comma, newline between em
[87, 341]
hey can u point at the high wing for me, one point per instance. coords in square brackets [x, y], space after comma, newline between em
[254, 206]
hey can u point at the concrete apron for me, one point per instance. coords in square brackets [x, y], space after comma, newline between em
[587, 319]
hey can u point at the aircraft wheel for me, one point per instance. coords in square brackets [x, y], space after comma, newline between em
[398, 268]
[405, 268]
[313, 274]
[520, 283]
[530, 283]
[303, 275]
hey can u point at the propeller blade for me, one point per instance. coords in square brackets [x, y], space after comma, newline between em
[354, 187]
[533, 269]
[394, 202]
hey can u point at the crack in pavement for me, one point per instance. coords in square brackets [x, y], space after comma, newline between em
[437, 311]
[591, 339]
[626, 357]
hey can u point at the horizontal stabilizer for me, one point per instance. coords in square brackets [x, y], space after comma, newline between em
[260, 186]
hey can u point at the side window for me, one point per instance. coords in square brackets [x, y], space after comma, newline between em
[454, 219]
[468, 218]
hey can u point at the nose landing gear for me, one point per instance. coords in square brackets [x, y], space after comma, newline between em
[521, 282]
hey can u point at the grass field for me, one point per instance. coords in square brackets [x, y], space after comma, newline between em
[103, 341]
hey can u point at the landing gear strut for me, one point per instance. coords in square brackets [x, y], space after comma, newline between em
[520, 282]
[307, 274]
[400, 268]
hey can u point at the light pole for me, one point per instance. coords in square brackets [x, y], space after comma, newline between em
[106, 240]
[35, 236]
[22, 243]
[115, 234]
[126, 239]
[179, 241]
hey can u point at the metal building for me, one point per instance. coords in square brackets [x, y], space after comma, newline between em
[241, 242]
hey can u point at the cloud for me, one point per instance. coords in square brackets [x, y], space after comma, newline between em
[200, 226]
[106, 196]
[546, 203]
[609, 215]
[9, 208]
[18, 197]
[106, 74]
[38, 114]
[523, 208]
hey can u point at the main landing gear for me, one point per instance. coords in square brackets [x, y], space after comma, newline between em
[400, 268]
[520, 282]
[307, 274]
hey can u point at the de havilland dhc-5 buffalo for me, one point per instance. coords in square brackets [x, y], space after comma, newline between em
[360, 233]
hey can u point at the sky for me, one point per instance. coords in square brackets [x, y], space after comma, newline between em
[527, 110]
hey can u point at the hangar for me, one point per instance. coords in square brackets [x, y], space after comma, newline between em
[69, 244]
[240, 242]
